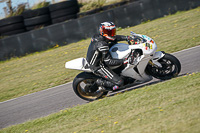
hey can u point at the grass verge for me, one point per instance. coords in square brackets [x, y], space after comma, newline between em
[42, 70]
[170, 106]
[86, 5]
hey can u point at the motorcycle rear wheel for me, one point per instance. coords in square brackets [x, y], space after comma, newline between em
[171, 67]
[85, 87]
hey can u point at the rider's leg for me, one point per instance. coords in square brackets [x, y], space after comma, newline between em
[109, 78]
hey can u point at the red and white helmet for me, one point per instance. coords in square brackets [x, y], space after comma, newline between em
[108, 30]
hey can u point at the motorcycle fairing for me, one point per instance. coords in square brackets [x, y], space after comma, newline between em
[139, 74]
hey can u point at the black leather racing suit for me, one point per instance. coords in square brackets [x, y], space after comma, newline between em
[99, 58]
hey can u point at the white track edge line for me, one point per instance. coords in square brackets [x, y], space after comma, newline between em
[186, 49]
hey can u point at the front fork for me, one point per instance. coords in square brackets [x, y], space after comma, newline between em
[158, 55]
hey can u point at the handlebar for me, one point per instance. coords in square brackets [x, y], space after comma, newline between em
[138, 37]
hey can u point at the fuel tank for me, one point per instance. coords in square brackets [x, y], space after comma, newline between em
[120, 51]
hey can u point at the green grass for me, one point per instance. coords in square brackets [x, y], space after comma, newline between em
[40, 5]
[87, 5]
[170, 106]
[41, 70]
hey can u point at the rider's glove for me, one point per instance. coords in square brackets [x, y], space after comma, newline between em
[129, 39]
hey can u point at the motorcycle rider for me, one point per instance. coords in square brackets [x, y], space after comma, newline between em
[99, 58]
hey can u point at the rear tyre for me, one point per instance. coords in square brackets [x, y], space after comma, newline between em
[64, 12]
[37, 12]
[85, 87]
[37, 20]
[11, 27]
[64, 18]
[63, 5]
[11, 20]
[171, 67]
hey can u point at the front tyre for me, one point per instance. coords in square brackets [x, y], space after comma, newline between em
[85, 87]
[171, 67]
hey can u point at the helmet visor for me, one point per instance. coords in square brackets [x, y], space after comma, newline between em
[109, 32]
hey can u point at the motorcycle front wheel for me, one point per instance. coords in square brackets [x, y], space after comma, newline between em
[171, 67]
[85, 87]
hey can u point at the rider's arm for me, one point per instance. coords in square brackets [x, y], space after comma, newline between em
[123, 38]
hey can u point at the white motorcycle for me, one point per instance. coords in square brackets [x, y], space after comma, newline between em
[147, 64]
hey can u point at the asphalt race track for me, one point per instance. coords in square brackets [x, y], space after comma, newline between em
[52, 100]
